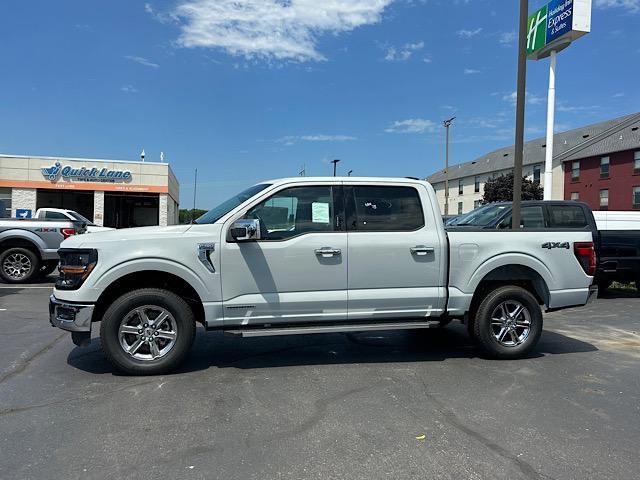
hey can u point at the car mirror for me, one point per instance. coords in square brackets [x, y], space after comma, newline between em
[245, 230]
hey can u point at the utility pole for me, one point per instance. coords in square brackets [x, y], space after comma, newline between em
[335, 163]
[303, 171]
[520, 102]
[349, 173]
[447, 124]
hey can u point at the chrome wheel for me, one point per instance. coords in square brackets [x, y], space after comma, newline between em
[511, 323]
[16, 266]
[148, 332]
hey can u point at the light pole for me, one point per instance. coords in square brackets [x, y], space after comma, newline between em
[447, 124]
[335, 163]
[349, 173]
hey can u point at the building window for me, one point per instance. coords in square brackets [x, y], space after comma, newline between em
[476, 203]
[476, 183]
[536, 173]
[5, 202]
[575, 196]
[636, 197]
[604, 167]
[604, 199]
[636, 162]
[575, 171]
[459, 208]
[460, 186]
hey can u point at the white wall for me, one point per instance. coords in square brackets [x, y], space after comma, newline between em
[23, 198]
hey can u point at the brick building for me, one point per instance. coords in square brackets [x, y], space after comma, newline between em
[598, 164]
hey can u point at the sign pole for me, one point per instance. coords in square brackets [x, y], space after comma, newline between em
[551, 107]
[520, 100]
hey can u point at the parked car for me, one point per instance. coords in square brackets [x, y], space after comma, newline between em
[619, 247]
[62, 214]
[273, 260]
[616, 234]
[29, 247]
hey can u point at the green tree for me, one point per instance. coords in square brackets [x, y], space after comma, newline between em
[500, 189]
[185, 215]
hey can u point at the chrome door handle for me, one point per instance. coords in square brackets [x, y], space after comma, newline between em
[421, 250]
[327, 252]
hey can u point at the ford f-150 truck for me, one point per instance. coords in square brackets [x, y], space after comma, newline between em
[314, 255]
[29, 247]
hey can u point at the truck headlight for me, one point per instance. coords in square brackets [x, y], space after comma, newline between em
[75, 266]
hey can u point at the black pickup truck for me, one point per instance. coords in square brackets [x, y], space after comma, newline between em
[618, 250]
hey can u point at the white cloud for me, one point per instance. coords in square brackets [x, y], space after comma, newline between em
[507, 38]
[532, 99]
[293, 139]
[141, 61]
[469, 33]
[411, 125]
[271, 29]
[148, 8]
[629, 5]
[404, 52]
[427, 59]
[129, 89]
[471, 71]
[618, 95]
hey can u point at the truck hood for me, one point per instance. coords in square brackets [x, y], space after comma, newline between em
[140, 233]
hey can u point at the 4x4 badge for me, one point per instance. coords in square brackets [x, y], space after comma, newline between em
[551, 245]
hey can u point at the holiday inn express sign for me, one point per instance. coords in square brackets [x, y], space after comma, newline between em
[556, 25]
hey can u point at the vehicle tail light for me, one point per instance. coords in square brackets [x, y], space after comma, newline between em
[67, 232]
[586, 254]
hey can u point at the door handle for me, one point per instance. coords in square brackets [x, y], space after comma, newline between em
[327, 252]
[421, 250]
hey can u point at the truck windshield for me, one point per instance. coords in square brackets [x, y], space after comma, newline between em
[225, 207]
[80, 218]
[483, 216]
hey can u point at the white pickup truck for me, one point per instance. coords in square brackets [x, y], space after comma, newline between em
[314, 255]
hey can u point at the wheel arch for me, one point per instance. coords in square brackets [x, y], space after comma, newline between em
[13, 239]
[519, 275]
[150, 279]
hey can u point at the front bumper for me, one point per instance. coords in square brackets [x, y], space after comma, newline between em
[72, 317]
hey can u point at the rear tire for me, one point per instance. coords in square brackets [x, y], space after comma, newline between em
[147, 332]
[18, 265]
[508, 323]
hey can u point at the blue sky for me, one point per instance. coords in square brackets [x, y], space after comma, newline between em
[246, 94]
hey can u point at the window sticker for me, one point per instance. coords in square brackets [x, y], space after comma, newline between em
[319, 212]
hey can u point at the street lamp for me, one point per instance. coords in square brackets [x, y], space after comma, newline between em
[349, 173]
[335, 163]
[447, 124]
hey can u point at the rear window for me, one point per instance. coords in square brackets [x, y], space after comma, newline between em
[530, 217]
[566, 216]
[396, 209]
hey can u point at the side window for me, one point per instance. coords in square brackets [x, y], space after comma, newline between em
[55, 216]
[384, 209]
[295, 211]
[530, 217]
[566, 216]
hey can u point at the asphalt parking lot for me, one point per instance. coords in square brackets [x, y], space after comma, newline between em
[378, 405]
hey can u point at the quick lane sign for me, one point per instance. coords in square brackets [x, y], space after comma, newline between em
[556, 25]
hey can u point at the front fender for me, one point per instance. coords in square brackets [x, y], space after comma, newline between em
[96, 285]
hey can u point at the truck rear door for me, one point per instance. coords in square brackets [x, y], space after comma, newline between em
[395, 252]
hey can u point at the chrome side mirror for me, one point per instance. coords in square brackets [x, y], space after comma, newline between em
[245, 230]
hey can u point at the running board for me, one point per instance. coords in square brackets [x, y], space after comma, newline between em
[301, 330]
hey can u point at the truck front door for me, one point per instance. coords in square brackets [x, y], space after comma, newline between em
[297, 271]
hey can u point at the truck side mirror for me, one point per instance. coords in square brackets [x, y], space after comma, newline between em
[245, 230]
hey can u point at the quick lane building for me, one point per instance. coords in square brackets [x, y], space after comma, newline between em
[112, 193]
[598, 164]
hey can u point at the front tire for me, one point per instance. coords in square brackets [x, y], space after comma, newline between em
[18, 265]
[147, 332]
[508, 323]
